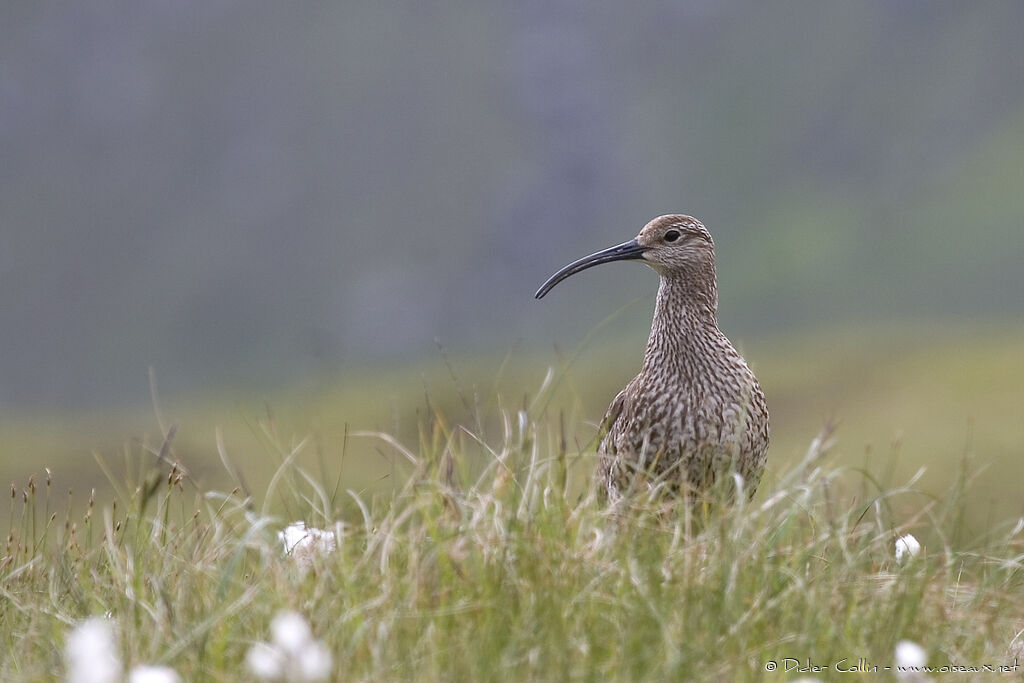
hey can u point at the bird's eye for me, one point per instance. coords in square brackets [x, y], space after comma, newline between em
[671, 235]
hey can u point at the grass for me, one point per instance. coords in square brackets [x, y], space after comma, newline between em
[489, 559]
[904, 397]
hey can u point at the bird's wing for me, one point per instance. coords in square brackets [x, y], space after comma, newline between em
[611, 415]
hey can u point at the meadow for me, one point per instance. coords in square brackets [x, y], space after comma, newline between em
[465, 542]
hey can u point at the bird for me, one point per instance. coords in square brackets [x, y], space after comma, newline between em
[695, 413]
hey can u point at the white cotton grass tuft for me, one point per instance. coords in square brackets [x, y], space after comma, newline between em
[265, 662]
[316, 662]
[297, 537]
[907, 547]
[90, 653]
[910, 657]
[153, 674]
[292, 653]
[290, 632]
[304, 543]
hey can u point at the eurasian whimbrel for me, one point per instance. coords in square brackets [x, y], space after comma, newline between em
[695, 411]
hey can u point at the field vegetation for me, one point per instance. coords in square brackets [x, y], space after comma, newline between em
[466, 542]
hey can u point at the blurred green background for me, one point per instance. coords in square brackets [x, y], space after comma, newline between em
[290, 204]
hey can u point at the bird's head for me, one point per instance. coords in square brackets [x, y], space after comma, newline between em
[669, 244]
[676, 243]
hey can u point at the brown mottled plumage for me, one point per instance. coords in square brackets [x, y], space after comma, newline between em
[695, 411]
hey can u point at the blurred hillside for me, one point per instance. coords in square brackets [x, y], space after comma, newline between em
[249, 193]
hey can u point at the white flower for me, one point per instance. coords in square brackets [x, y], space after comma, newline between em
[907, 547]
[315, 662]
[910, 655]
[91, 653]
[265, 661]
[296, 537]
[293, 654]
[153, 674]
[290, 632]
[303, 544]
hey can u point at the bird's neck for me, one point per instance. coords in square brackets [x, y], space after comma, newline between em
[685, 318]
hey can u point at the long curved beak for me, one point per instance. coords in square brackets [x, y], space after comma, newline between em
[621, 252]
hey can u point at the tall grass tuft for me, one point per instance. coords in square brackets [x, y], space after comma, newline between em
[492, 562]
